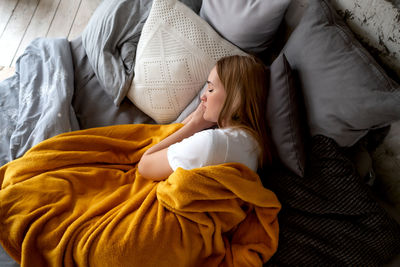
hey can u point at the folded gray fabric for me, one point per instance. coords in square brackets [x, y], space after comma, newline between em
[110, 40]
[93, 106]
[35, 103]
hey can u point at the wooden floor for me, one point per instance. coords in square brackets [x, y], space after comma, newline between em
[21, 21]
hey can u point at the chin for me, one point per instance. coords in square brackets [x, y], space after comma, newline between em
[207, 118]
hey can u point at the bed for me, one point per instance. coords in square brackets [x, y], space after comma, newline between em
[77, 115]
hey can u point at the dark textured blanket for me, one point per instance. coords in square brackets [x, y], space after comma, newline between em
[328, 217]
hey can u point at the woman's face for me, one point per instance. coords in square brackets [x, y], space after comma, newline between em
[214, 97]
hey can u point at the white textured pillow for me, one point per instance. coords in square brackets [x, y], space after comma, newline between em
[176, 51]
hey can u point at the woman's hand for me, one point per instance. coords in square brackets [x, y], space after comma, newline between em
[196, 119]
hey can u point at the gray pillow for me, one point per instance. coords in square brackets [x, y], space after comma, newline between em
[284, 116]
[251, 25]
[110, 40]
[194, 5]
[346, 92]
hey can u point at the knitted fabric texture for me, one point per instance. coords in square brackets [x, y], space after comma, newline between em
[328, 217]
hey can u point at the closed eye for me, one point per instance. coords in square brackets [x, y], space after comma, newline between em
[209, 88]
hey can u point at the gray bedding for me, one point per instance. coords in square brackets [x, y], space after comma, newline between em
[61, 86]
[35, 103]
[93, 106]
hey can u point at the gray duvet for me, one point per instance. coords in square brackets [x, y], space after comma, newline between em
[35, 103]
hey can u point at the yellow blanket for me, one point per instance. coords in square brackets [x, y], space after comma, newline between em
[78, 200]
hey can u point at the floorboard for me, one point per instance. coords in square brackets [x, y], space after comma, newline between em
[83, 15]
[64, 18]
[6, 8]
[39, 25]
[15, 30]
[21, 21]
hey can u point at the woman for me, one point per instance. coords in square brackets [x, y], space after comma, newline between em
[235, 102]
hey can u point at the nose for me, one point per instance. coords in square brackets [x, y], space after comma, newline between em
[203, 97]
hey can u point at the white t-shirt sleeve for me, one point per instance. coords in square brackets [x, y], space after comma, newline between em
[213, 147]
[192, 152]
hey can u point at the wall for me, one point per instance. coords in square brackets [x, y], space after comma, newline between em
[377, 25]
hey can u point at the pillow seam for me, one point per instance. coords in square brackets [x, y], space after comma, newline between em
[291, 120]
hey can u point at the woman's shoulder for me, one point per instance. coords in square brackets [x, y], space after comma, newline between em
[234, 133]
[220, 134]
[239, 137]
[228, 135]
[205, 134]
[211, 137]
[200, 140]
[239, 146]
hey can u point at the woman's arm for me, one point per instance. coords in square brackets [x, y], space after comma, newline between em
[154, 162]
[188, 118]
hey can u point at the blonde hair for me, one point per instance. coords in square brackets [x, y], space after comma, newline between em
[246, 82]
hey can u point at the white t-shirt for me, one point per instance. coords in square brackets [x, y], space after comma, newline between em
[213, 147]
